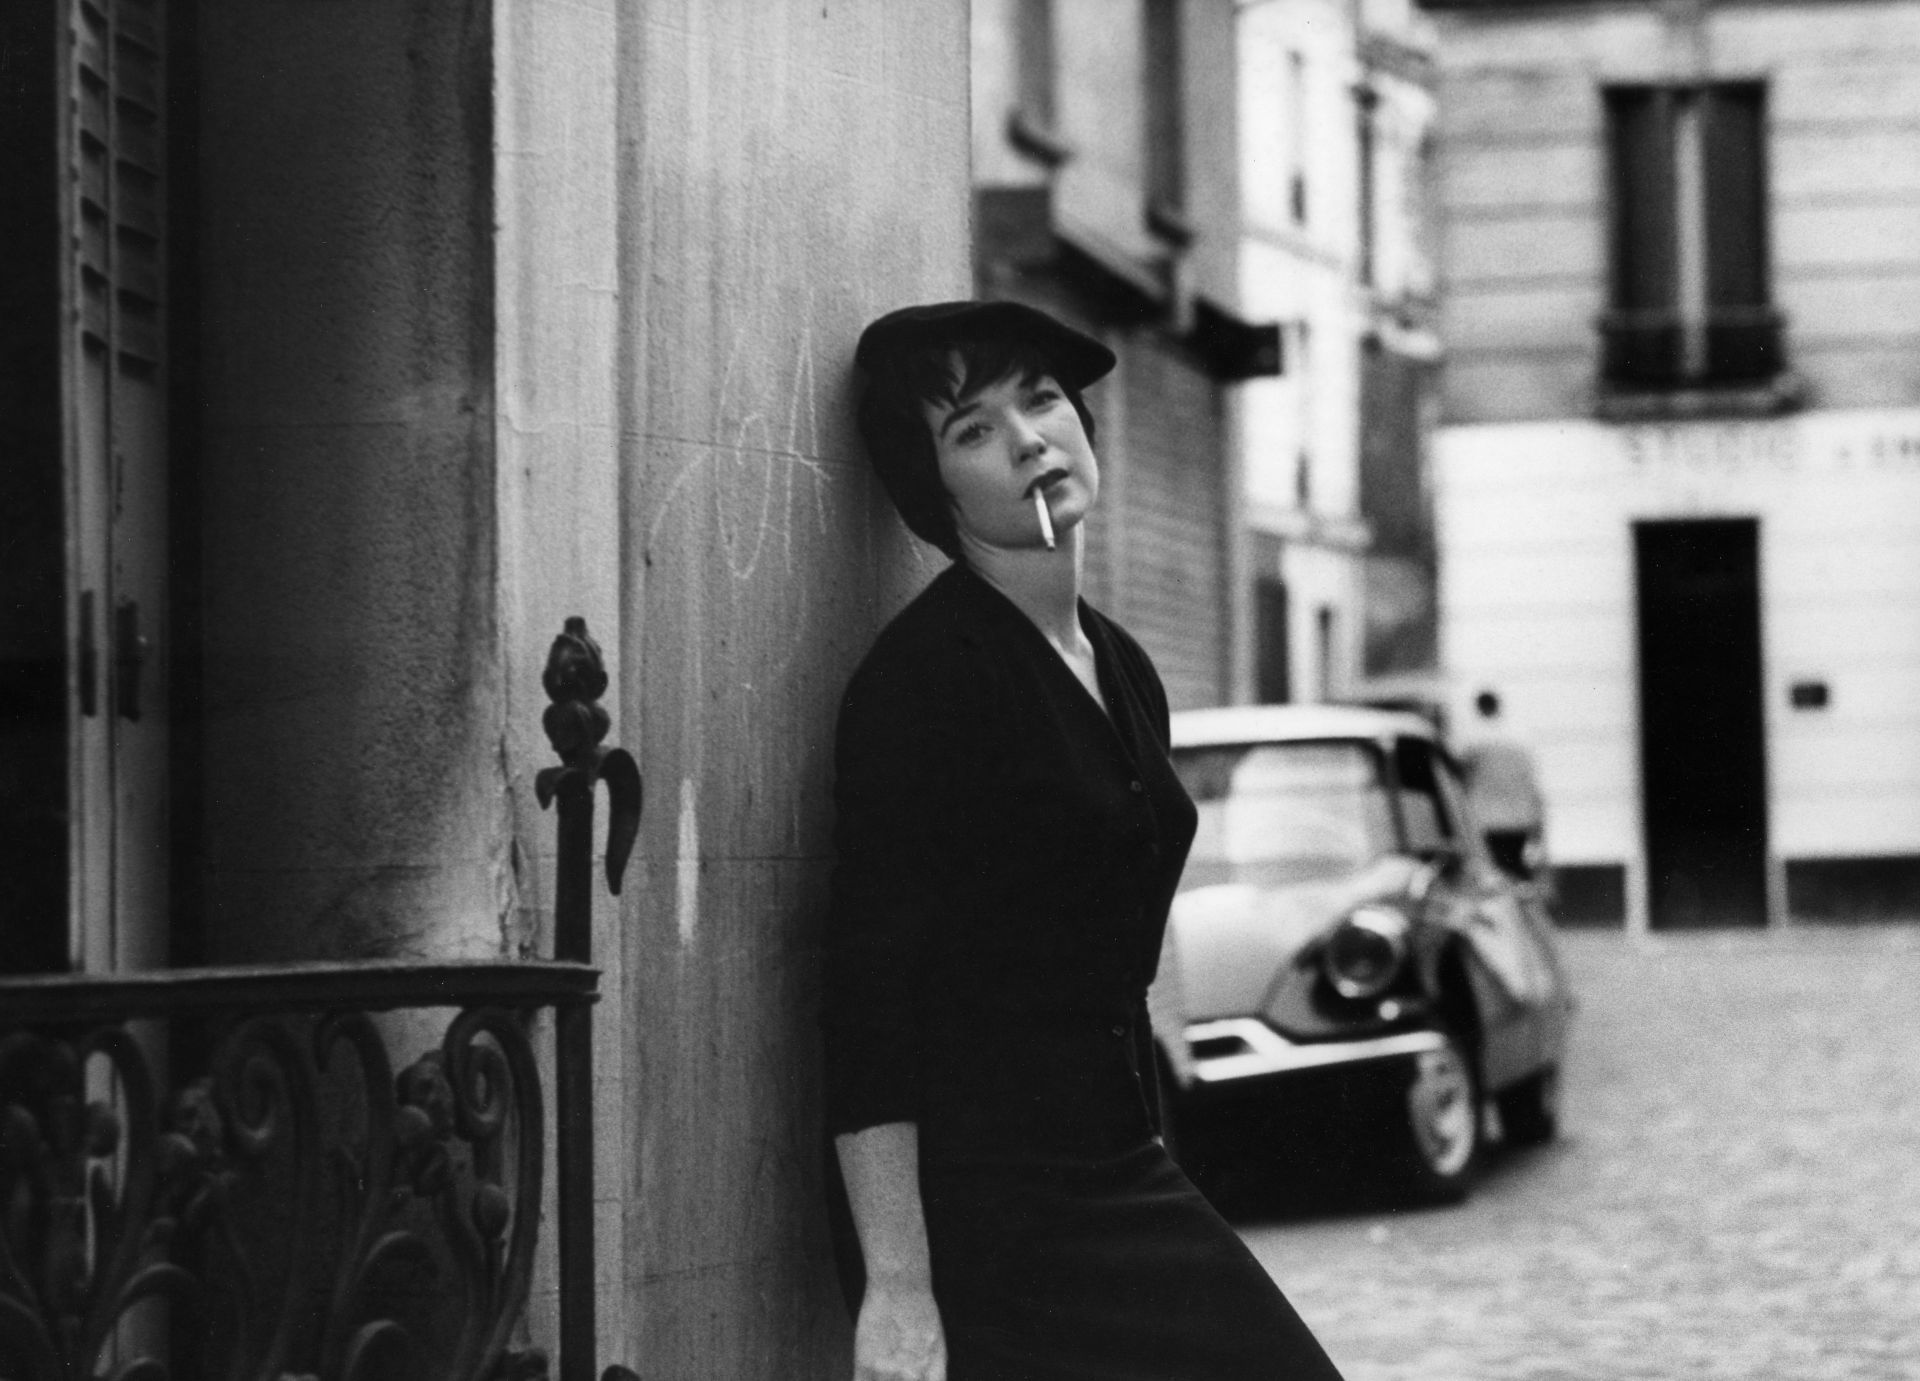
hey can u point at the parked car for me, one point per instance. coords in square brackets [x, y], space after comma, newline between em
[1342, 941]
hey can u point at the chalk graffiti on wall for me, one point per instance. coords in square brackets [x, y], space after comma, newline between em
[763, 471]
[743, 565]
[774, 470]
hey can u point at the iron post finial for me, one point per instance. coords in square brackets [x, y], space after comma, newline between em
[576, 722]
[575, 679]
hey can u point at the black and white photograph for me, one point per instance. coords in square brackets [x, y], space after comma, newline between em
[959, 690]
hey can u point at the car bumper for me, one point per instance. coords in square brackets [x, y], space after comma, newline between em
[1250, 1049]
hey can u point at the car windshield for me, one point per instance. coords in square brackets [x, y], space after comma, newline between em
[1284, 812]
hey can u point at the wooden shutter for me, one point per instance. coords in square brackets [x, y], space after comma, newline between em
[1168, 565]
[1298, 144]
[1742, 329]
[115, 425]
[1643, 338]
[1033, 39]
[1166, 166]
[1366, 141]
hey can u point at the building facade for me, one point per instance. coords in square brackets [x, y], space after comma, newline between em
[1335, 111]
[1231, 195]
[350, 350]
[1679, 472]
[1400, 347]
[1106, 192]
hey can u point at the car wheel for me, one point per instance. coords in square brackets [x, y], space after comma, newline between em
[1437, 1141]
[1530, 1110]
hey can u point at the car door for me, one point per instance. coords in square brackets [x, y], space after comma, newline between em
[1476, 901]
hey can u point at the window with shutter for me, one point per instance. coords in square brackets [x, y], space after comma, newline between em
[1297, 141]
[1690, 295]
[1273, 672]
[1366, 144]
[1165, 129]
[1032, 124]
[1033, 42]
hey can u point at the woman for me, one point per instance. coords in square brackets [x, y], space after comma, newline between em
[1010, 833]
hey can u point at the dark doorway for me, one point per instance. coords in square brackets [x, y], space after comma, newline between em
[1702, 735]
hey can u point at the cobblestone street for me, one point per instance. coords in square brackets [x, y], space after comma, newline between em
[1736, 1193]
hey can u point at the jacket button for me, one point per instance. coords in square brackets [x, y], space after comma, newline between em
[1119, 1031]
[1135, 787]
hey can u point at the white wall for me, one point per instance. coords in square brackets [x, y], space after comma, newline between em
[1322, 576]
[1319, 31]
[1314, 407]
[1537, 601]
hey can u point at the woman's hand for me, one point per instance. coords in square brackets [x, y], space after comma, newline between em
[899, 1337]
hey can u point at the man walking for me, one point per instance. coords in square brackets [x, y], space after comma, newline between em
[1503, 794]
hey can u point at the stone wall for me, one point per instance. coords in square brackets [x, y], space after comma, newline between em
[352, 695]
[788, 172]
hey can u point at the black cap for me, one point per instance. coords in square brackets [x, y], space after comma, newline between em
[1078, 359]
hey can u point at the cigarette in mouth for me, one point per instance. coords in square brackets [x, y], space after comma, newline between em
[1046, 518]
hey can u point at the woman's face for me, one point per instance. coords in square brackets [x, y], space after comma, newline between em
[1000, 446]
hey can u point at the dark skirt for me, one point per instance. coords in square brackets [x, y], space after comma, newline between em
[1110, 1268]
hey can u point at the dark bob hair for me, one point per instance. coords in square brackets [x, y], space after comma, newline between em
[935, 356]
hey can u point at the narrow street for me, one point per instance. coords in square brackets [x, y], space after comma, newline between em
[1736, 1193]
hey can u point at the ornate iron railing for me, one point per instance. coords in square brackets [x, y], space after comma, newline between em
[225, 1173]
[222, 1173]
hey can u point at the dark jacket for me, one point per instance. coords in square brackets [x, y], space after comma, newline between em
[1007, 854]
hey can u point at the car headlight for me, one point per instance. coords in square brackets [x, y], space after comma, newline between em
[1364, 952]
